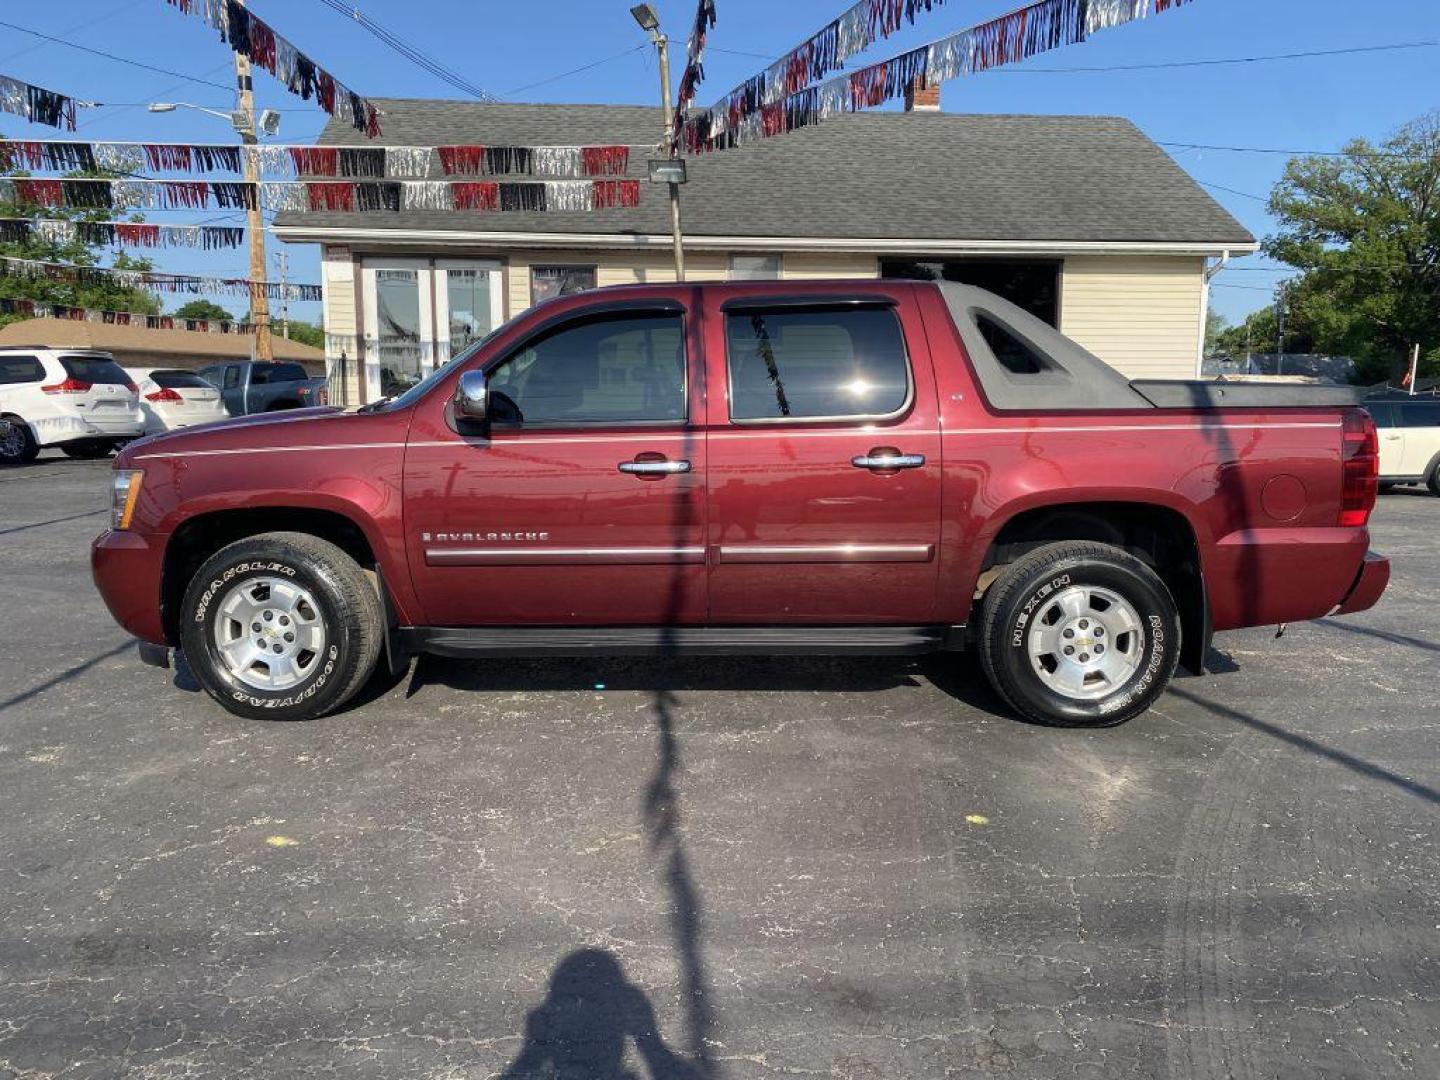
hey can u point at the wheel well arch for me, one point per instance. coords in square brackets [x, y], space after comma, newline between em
[199, 537]
[1160, 536]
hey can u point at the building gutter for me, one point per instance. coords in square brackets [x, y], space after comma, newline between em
[387, 238]
[1211, 272]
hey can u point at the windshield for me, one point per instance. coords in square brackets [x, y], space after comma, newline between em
[421, 388]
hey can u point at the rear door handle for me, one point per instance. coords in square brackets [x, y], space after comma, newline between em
[654, 468]
[887, 459]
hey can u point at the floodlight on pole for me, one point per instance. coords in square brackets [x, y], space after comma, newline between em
[646, 17]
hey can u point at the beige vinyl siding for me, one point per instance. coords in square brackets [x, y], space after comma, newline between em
[802, 266]
[337, 276]
[1140, 314]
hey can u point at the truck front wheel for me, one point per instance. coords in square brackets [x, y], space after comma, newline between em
[1079, 634]
[282, 626]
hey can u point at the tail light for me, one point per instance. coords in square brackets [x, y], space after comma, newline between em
[166, 395]
[69, 386]
[1360, 460]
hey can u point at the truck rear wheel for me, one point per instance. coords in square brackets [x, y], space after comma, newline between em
[1079, 634]
[282, 626]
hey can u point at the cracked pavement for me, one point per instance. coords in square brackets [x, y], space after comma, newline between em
[741, 868]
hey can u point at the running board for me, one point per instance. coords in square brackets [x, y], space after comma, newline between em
[472, 642]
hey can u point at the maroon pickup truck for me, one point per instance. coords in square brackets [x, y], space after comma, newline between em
[750, 468]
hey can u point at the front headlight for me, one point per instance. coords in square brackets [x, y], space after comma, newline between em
[124, 493]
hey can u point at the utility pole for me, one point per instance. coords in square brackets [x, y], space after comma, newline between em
[1282, 307]
[282, 261]
[645, 15]
[255, 223]
[1414, 367]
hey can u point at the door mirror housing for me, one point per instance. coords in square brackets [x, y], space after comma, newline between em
[472, 397]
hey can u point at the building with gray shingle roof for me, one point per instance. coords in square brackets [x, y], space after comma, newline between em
[1082, 219]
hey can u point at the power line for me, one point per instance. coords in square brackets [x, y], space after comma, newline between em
[1271, 150]
[414, 55]
[1232, 191]
[577, 71]
[117, 59]
[74, 29]
[1223, 60]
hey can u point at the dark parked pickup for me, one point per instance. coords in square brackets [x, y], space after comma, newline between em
[253, 386]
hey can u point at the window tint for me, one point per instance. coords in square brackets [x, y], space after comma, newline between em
[833, 362]
[176, 380]
[20, 369]
[1419, 414]
[232, 377]
[1014, 355]
[1381, 413]
[614, 369]
[94, 369]
[288, 373]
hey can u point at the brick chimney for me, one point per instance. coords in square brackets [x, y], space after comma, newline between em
[922, 98]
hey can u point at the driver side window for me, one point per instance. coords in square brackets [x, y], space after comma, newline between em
[613, 369]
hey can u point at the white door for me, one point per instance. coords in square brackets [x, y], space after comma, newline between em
[469, 304]
[1420, 421]
[399, 325]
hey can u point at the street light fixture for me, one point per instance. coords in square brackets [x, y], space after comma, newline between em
[650, 22]
[646, 17]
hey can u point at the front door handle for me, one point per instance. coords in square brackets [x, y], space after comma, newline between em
[887, 459]
[654, 466]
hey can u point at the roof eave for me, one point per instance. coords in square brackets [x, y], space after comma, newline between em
[381, 238]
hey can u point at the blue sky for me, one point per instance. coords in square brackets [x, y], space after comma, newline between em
[520, 52]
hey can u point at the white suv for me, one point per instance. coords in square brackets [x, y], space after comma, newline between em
[74, 399]
[1409, 429]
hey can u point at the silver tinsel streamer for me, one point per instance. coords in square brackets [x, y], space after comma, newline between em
[273, 159]
[131, 194]
[284, 196]
[556, 161]
[119, 157]
[570, 195]
[55, 232]
[13, 96]
[426, 195]
[408, 161]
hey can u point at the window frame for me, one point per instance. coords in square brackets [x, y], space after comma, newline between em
[593, 268]
[785, 304]
[778, 256]
[615, 311]
[1425, 410]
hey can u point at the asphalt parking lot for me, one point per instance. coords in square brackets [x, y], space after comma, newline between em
[714, 868]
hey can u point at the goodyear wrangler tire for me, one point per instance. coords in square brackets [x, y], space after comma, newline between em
[282, 626]
[1079, 635]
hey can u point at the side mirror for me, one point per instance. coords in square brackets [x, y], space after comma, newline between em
[472, 397]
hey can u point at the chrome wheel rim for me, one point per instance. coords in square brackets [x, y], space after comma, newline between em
[1086, 642]
[269, 633]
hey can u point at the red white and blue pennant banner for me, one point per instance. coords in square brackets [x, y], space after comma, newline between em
[40, 309]
[38, 105]
[335, 195]
[153, 281]
[134, 234]
[399, 162]
[768, 105]
[251, 36]
[694, 73]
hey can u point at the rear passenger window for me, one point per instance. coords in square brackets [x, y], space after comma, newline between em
[1419, 414]
[20, 369]
[840, 363]
[1383, 415]
[232, 377]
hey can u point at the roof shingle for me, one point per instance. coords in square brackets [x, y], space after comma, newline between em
[920, 176]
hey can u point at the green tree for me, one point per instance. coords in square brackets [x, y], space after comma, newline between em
[1215, 325]
[105, 293]
[306, 333]
[1364, 227]
[203, 309]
